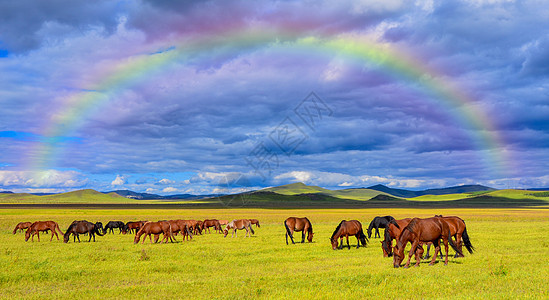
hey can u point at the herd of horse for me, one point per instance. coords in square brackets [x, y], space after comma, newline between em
[451, 230]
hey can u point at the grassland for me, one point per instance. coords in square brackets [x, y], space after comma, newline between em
[510, 259]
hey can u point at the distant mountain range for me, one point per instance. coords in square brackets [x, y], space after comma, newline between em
[302, 189]
[444, 191]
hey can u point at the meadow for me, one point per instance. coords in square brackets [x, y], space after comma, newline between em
[510, 259]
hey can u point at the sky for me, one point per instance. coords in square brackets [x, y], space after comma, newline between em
[200, 97]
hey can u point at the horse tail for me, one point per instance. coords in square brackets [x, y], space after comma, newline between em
[452, 243]
[251, 229]
[467, 241]
[57, 227]
[288, 232]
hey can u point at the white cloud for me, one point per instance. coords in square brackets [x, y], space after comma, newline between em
[119, 180]
[42, 179]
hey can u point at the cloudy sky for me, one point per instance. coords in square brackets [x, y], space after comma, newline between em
[202, 97]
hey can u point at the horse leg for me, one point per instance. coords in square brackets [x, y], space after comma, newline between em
[446, 249]
[357, 241]
[348, 246]
[303, 236]
[428, 248]
[377, 233]
[412, 251]
[437, 249]
[459, 245]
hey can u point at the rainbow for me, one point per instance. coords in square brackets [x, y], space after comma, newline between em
[398, 64]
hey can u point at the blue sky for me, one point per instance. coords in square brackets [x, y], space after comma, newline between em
[87, 100]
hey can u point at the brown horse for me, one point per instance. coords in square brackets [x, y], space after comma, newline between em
[345, 229]
[422, 230]
[38, 226]
[178, 226]
[298, 224]
[82, 227]
[392, 232]
[22, 225]
[239, 224]
[459, 231]
[152, 228]
[211, 223]
[135, 226]
[255, 222]
[223, 222]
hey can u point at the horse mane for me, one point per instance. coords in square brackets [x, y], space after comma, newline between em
[68, 232]
[394, 222]
[337, 229]
[310, 225]
[412, 225]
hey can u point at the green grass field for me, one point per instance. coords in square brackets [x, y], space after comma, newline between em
[510, 259]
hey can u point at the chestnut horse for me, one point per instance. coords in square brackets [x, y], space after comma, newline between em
[151, 228]
[255, 222]
[178, 226]
[82, 227]
[422, 230]
[211, 223]
[239, 224]
[458, 230]
[38, 226]
[298, 224]
[223, 222]
[345, 229]
[22, 225]
[134, 226]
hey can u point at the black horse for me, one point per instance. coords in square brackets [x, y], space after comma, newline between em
[81, 227]
[115, 224]
[378, 222]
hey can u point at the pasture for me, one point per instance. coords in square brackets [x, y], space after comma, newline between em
[510, 259]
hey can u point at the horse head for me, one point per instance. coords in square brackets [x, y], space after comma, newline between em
[334, 243]
[27, 234]
[310, 237]
[225, 231]
[398, 256]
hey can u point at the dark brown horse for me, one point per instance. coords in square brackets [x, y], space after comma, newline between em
[135, 226]
[111, 225]
[152, 228]
[255, 222]
[378, 222]
[298, 224]
[239, 224]
[82, 227]
[22, 225]
[345, 229]
[211, 223]
[422, 230]
[459, 231]
[38, 226]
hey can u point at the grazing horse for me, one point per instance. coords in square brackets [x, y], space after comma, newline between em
[211, 223]
[152, 228]
[422, 230]
[22, 225]
[82, 227]
[298, 224]
[239, 224]
[345, 229]
[111, 225]
[458, 230]
[38, 226]
[378, 222]
[135, 226]
[392, 232]
[181, 226]
[255, 222]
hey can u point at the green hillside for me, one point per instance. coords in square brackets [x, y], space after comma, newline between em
[80, 196]
[301, 188]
